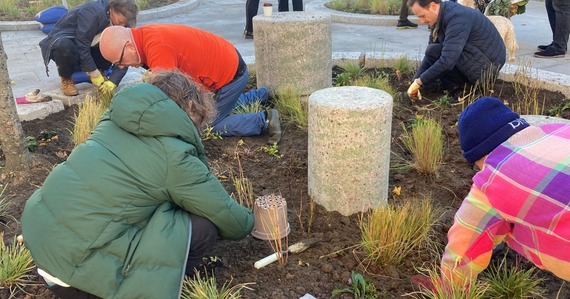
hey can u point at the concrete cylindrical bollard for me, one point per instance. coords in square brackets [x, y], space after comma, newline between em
[295, 49]
[349, 148]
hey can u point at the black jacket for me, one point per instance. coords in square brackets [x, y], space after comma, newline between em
[81, 24]
[470, 42]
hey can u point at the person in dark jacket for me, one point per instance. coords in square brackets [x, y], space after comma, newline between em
[135, 207]
[73, 42]
[464, 46]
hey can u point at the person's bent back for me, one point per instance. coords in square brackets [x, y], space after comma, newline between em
[114, 220]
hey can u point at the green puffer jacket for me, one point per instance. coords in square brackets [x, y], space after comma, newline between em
[113, 219]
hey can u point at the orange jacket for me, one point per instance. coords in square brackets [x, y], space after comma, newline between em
[210, 59]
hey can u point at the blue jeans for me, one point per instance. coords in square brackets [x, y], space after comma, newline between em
[228, 98]
[450, 79]
[562, 30]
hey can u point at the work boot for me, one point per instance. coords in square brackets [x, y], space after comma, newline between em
[274, 126]
[68, 87]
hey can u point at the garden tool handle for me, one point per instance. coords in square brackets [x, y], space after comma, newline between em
[267, 260]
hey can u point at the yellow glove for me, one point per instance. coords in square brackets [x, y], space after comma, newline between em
[414, 91]
[98, 80]
[107, 87]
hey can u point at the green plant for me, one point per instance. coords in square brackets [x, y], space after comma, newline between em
[381, 82]
[402, 66]
[15, 264]
[32, 143]
[506, 282]
[249, 108]
[272, 150]
[4, 205]
[86, 119]
[425, 143]
[443, 100]
[474, 290]
[558, 109]
[209, 134]
[359, 287]
[200, 287]
[291, 107]
[352, 69]
[390, 233]
[244, 187]
[342, 79]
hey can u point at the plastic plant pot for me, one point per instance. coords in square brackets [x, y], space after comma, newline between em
[270, 216]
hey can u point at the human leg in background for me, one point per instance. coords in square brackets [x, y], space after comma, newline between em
[65, 55]
[403, 22]
[551, 20]
[204, 237]
[297, 5]
[283, 5]
[561, 31]
[251, 7]
[450, 80]
[253, 95]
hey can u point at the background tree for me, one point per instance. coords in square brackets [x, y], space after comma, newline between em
[12, 137]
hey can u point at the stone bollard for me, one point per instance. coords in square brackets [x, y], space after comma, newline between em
[293, 49]
[349, 148]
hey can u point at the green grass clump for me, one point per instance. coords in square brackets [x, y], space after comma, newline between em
[512, 282]
[425, 143]
[391, 233]
[206, 288]
[291, 107]
[86, 119]
[15, 264]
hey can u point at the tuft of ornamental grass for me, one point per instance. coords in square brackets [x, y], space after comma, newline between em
[382, 83]
[4, 203]
[425, 142]
[473, 290]
[390, 234]
[200, 287]
[527, 89]
[510, 282]
[15, 264]
[86, 119]
[352, 69]
[253, 107]
[291, 107]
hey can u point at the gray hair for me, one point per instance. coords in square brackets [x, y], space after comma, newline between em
[181, 88]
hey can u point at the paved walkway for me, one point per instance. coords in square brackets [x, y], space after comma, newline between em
[227, 18]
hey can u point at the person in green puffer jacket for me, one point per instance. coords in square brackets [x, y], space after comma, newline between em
[135, 207]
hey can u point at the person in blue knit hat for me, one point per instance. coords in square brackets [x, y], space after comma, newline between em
[519, 195]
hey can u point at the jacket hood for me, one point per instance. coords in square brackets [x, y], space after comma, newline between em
[145, 110]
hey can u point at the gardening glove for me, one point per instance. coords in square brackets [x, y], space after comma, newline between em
[107, 87]
[98, 80]
[414, 91]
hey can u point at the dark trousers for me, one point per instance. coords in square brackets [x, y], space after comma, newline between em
[284, 5]
[450, 79]
[404, 10]
[251, 7]
[551, 15]
[562, 25]
[204, 237]
[65, 55]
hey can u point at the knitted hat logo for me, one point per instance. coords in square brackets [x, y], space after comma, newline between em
[484, 125]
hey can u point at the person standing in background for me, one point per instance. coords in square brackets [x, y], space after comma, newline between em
[251, 7]
[284, 5]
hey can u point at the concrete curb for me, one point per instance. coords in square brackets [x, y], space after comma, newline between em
[180, 7]
[354, 18]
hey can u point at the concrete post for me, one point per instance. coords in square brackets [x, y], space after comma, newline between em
[349, 148]
[293, 48]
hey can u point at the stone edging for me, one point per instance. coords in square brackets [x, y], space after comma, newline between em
[354, 18]
[177, 8]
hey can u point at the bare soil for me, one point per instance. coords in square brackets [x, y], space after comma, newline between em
[327, 265]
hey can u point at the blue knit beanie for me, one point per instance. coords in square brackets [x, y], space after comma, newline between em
[484, 125]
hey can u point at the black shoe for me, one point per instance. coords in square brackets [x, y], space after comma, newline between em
[247, 34]
[543, 47]
[550, 52]
[406, 24]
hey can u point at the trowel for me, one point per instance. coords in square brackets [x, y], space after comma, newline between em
[295, 248]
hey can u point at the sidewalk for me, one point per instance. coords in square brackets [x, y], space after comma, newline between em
[227, 18]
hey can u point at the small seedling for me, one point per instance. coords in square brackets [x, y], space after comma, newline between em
[359, 287]
[32, 143]
[272, 150]
[209, 134]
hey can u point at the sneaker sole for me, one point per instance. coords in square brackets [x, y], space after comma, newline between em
[553, 56]
[405, 27]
